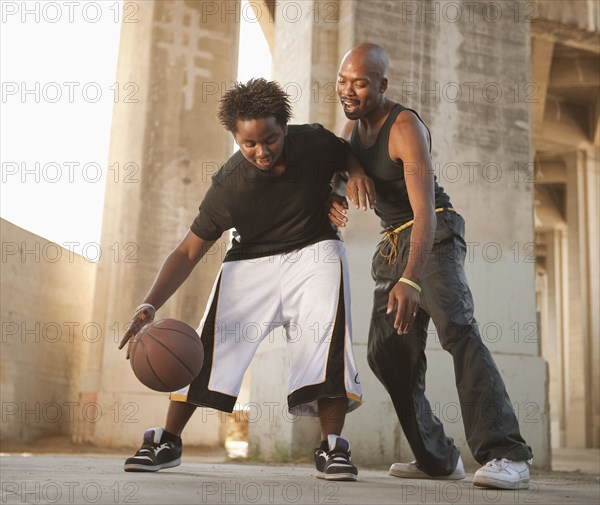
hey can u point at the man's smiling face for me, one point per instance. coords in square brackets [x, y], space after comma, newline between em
[360, 84]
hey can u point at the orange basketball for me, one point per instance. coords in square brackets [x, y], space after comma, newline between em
[166, 355]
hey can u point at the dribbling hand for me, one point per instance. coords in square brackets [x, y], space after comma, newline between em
[144, 315]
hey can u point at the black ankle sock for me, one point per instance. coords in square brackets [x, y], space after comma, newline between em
[324, 445]
[170, 437]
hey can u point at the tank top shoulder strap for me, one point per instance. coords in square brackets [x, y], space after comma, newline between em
[384, 133]
[354, 130]
[383, 139]
[396, 109]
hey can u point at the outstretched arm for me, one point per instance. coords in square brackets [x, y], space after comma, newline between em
[173, 272]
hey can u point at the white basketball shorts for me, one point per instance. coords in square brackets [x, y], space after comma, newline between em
[305, 291]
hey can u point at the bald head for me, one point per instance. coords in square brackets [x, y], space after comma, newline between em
[362, 80]
[370, 58]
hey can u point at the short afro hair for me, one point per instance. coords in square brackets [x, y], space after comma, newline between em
[257, 98]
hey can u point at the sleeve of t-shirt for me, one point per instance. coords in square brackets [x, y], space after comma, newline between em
[337, 149]
[213, 217]
[333, 152]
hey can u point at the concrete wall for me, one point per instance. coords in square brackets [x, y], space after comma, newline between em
[46, 297]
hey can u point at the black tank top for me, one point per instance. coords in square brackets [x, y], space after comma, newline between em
[393, 206]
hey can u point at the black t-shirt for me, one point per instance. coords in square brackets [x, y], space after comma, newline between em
[274, 214]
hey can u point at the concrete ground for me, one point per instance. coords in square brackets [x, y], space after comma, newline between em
[210, 479]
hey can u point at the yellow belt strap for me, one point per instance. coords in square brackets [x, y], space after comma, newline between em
[391, 236]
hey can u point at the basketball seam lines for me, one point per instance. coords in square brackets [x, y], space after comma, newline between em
[155, 374]
[150, 366]
[171, 352]
[194, 338]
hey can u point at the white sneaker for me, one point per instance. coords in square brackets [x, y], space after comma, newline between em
[412, 471]
[503, 474]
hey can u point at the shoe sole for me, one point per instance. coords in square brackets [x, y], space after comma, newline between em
[135, 467]
[424, 476]
[349, 477]
[500, 484]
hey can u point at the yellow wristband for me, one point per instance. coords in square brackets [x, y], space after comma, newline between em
[410, 283]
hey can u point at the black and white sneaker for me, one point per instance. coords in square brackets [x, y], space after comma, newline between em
[155, 454]
[333, 460]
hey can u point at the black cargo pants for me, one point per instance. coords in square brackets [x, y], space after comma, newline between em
[491, 427]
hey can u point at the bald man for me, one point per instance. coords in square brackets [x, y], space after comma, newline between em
[419, 273]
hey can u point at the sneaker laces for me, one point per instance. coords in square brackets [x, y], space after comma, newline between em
[497, 465]
[146, 448]
[340, 457]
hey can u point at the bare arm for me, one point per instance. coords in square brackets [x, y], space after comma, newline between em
[409, 143]
[173, 272]
[359, 187]
[355, 184]
[177, 268]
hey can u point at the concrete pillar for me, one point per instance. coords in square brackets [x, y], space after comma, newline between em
[592, 246]
[176, 59]
[305, 69]
[582, 423]
[562, 286]
[554, 336]
[575, 369]
[481, 126]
